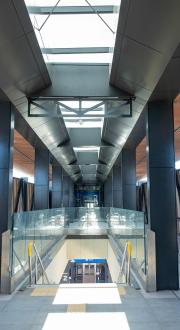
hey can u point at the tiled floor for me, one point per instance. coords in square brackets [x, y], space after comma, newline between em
[85, 307]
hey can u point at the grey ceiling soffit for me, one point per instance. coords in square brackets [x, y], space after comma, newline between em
[24, 72]
[147, 36]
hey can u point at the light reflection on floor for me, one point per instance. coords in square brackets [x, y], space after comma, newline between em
[87, 294]
[34, 309]
[88, 321]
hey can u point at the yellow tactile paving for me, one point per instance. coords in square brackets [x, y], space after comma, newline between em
[79, 308]
[44, 292]
[122, 291]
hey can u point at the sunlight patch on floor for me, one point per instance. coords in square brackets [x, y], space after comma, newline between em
[86, 321]
[87, 295]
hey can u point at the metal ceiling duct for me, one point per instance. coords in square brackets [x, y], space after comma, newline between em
[24, 72]
[115, 133]
[141, 54]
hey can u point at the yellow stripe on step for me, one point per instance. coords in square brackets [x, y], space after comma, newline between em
[44, 292]
[79, 308]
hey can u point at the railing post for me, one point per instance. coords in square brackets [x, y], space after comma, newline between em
[129, 253]
[30, 247]
[151, 261]
[5, 263]
[36, 270]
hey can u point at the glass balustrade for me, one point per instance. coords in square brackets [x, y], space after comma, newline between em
[128, 225]
[45, 228]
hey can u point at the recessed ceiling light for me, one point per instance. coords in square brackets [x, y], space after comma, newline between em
[87, 149]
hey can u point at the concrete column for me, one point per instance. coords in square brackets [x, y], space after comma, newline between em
[129, 178]
[161, 192]
[6, 180]
[56, 185]
[41, 186]
[108, 193]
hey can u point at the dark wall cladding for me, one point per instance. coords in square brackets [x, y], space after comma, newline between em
[85, 194]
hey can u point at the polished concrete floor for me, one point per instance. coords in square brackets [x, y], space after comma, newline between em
[85, 307]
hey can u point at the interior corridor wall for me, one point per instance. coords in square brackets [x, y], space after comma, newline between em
[85, 249]
[113, 264]
[57, 266]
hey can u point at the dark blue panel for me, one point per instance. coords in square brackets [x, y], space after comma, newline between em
[161, 192]
[94, 261]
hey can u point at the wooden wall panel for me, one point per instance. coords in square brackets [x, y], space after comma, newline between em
[24, 155]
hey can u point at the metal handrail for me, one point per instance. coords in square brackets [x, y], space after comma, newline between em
[126, 263]
[19, 260]
[37, 257]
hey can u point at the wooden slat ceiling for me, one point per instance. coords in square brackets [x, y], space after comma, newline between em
[24, 155]
[141, 160]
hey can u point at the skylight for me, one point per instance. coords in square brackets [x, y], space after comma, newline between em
[82, 114]
[75, 31]
[87, 149]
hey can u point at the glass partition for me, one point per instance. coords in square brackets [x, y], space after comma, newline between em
[128, 225]
[45, 228]
[42, 227]
[87, 218]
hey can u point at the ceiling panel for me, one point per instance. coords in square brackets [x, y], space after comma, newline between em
[85, 136]
[87, 158]
[91, 169]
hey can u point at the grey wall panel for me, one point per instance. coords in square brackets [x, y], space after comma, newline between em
[163, 148]
[129, 178]
[117, 179]
[41, 197]
[117, 183]
[56, 185]
[108, 192]
[65, 198]
[41, 182]
[117, 198]
[129, 197]
[6, 168]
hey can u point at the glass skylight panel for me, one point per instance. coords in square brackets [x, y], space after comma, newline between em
[43, 3]
[47, 3]
[79, 58]
[87, 149]
[72, 31]
[104, 2]
[71, 104]
[93, 116]
[89, 104]
[83, 123]
[58, 31]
